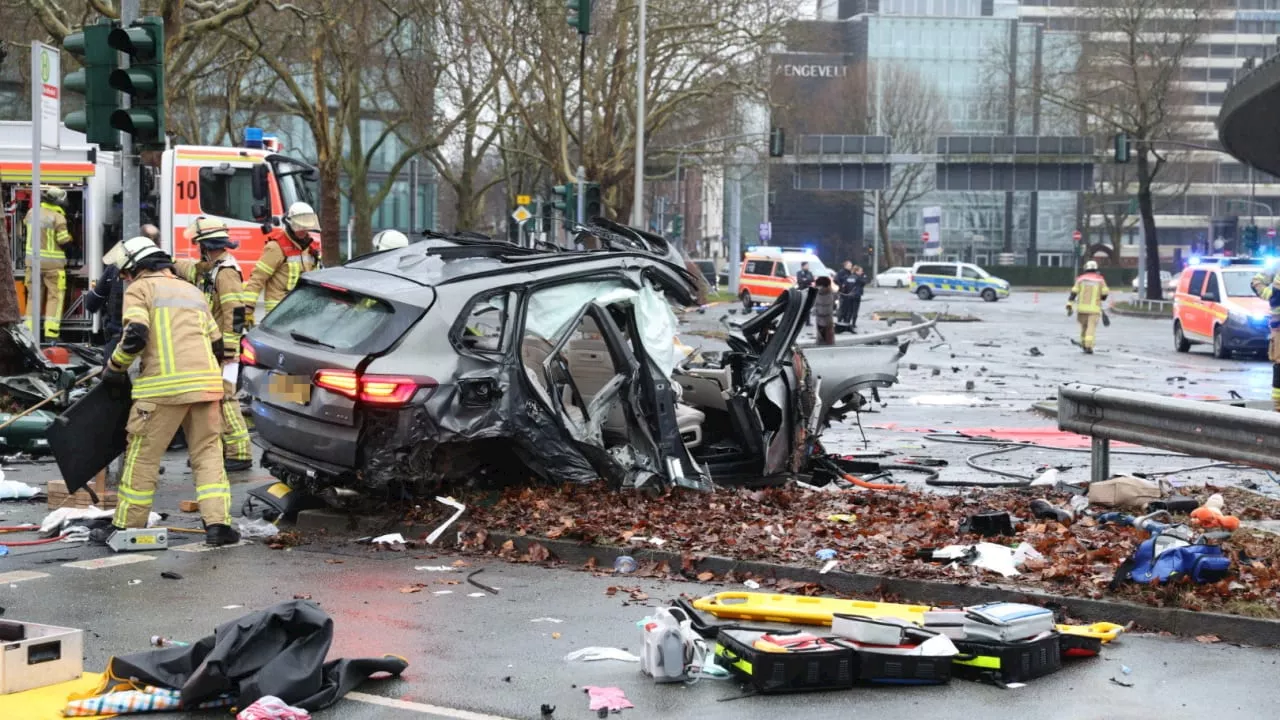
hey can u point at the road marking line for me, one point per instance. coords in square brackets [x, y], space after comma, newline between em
[106, 562]
[420, 707]
[20, 575]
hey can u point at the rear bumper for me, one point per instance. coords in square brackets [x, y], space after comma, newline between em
[319, 442]
[290, 466]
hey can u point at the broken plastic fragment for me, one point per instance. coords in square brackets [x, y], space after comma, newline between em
[389, 539]
[592, 654]
[458, 507]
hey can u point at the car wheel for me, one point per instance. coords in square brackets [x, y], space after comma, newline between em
[989, 295]
[745, 297]
[1220, 350]
[1180, 341]
[924, 293]
[900, 284]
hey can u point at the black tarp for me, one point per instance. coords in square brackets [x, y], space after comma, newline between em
[279, 651]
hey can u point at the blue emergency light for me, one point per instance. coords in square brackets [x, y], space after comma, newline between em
[1193, 260]
[253, 138]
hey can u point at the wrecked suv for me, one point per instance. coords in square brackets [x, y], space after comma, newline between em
[457, 358]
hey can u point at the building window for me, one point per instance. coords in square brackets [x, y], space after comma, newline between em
[1049, 260]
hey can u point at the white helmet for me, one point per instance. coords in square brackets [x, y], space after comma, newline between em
[53, 194]
[301, 220]
[389, 240]
[127, 254]
[1091, 266]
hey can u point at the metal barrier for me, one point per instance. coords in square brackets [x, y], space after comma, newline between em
[1199, 429]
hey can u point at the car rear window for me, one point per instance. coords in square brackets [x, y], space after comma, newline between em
[335, 318]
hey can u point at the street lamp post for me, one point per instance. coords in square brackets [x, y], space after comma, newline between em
[637, 204]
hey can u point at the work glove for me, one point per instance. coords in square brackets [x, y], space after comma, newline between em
[1106, 320]
[1069, 309]
[111, 376]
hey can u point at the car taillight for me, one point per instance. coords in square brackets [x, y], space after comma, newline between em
[343, 382]
[372, 389]
[248, 356]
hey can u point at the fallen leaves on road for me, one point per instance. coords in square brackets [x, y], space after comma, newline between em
[415, 588]
[302, 596]
[1208, 639]
[788, 525]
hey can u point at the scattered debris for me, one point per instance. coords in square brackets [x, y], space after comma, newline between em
[458, 507]
[624, 565]
[14, 490]
[610, 699]
[825, 554]
[302, 596]
[482, 586]
[436, 568]
[188, 506]
[170, 575]
[1122, 683]
[1035, 352]
[547, 620]
[256, 528]
[135, 581]
[548, 710]
[389, 539]
[270, 707]
[1208, 639]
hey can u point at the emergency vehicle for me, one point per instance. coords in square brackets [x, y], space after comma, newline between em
[1214, 303]
[768, 271]
[248, 187]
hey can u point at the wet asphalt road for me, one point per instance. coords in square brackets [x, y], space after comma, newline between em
[486, 655]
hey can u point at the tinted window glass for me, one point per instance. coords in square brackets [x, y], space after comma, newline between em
[946, 270]
[759, 267]
[340, 320]
[779, 270]
[227, 195]
[971, 274]
[1197, 282]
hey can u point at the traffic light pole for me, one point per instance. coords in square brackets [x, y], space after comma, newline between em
[129, 203]
[35, 228]
[582, 128]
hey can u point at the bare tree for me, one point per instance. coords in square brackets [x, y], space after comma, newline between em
[908, 108]
[1127, 81]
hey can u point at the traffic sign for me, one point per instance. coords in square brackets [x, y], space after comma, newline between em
[50, 94]
[1271, 233]
[524, 199]
[766, 232]
[1076, 236]
[925, 236]
[521, 214]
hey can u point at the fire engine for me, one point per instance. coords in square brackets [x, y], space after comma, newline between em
[248, 187]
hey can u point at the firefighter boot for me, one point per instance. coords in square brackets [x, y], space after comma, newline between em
[218, 535]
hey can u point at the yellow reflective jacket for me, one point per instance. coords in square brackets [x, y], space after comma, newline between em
[277, 271]
[177, 363]
[54, 222]
[220, 281]
[1088, 293]
[1266, 285]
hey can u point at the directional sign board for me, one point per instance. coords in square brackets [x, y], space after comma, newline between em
[521, 214]
[524, 199]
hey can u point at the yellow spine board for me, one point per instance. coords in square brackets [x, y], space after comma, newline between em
[801, 610]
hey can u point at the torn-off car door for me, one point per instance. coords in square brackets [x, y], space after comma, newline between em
[777, 388]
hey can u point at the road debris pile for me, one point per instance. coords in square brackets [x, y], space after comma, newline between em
[971, 538]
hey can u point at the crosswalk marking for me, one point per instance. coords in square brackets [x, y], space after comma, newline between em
[20, 575]
[109, 561]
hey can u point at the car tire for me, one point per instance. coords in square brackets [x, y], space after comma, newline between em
[1180, 341]
[989, 295]
[1220, 350]
[745, 297]
[900, 284]
[924, 293]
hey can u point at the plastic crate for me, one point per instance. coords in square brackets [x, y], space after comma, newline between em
[1008, 662]
[794, 671]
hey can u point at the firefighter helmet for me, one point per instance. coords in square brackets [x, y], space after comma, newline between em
[127, 254]
[53, 194]
[389, 240]
[1091, 266]
[301, 220]
[211, 233]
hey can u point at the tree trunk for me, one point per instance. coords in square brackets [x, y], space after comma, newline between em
[882, 237]
[330, 211]
[1150, 242]
[468, 205]
[361, 214]
[8, 289]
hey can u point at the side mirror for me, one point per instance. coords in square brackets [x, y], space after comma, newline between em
[311, 175]
[260, 188]
[261, 212]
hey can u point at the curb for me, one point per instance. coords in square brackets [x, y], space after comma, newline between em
[1134, 313]
[1186, 623]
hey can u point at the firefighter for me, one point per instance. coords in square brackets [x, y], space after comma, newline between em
[53, 259]
[1266, 285]
[288, 253]
[1087, 295]
[168, 328]
[218, 277]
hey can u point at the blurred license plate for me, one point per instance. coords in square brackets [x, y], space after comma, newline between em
[289, 388]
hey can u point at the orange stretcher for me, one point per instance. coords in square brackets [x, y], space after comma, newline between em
[801, 610]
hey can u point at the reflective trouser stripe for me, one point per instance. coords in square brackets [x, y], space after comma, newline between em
[235, 433]
[151, 428]
[1275, 386]
[1088, 327]
[204, 429]
[53, 289]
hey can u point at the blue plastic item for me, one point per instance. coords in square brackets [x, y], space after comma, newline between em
[1164, 559]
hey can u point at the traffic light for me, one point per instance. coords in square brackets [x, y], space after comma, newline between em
[143, 82]
[777, 142]
[677, 227]
[1251, 238]
[545, 222]
[579, 15]
[565, 201]
[1122, 147]
[93, 80]
[593, 206]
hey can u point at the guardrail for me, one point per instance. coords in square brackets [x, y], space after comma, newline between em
[1199, 429]
[1152, 306]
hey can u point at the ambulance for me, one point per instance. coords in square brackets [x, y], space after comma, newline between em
[1214, 304]
[248, 187]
